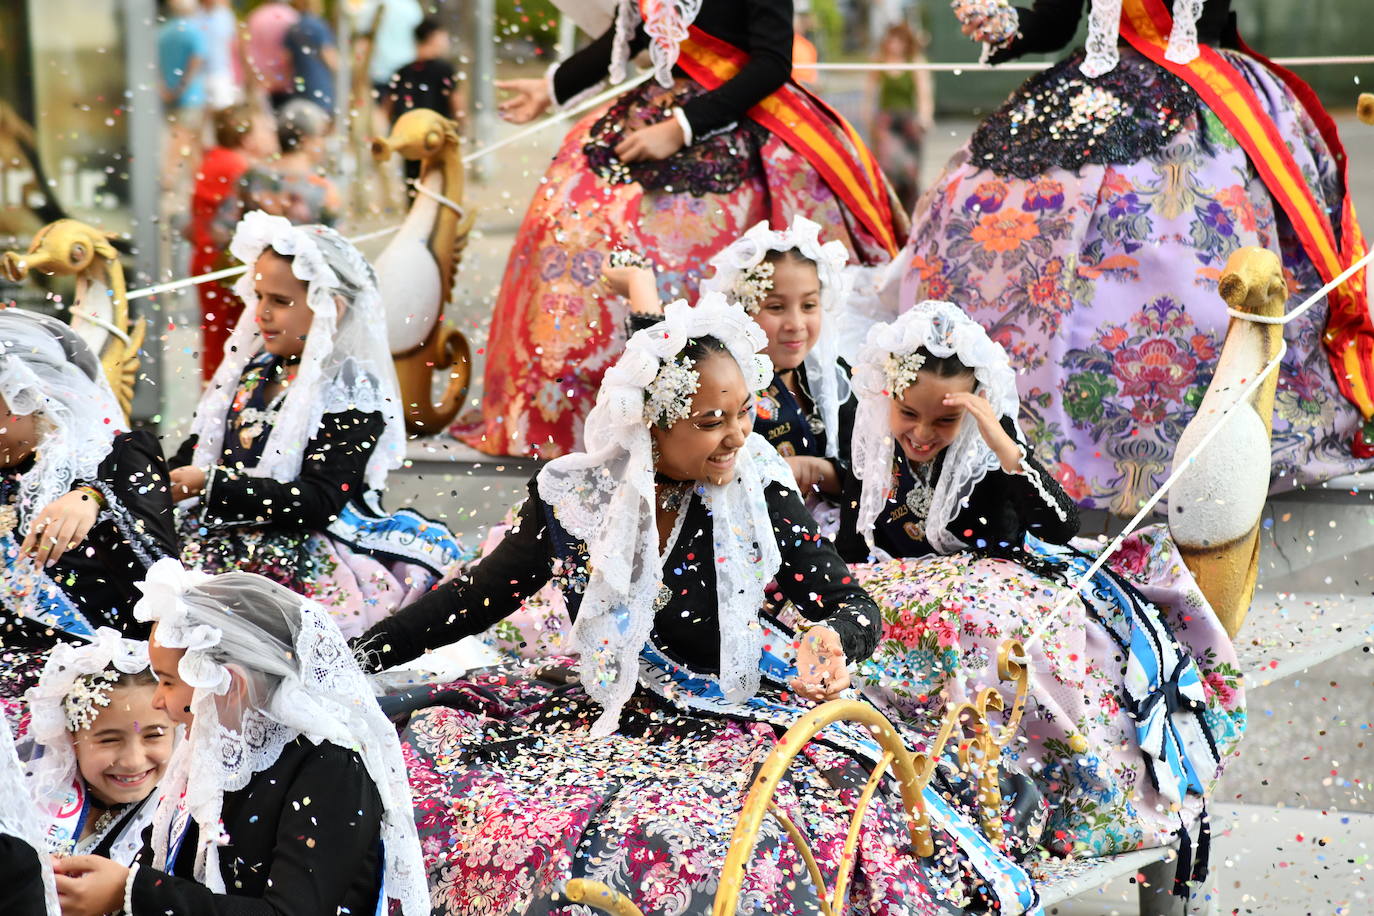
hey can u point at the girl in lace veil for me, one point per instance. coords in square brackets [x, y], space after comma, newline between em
[101, 746]
[289, 786]
[794, 286]
[26, 879]
[970, 542]
[84, 506]
[1052, 228]
[294, 437]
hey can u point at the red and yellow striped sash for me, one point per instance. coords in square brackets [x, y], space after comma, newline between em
[810, 127]
[1349, 335]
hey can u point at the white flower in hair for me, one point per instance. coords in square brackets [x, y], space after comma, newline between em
[88, 694]
[668, 398]
[753, 286]
[899, 372]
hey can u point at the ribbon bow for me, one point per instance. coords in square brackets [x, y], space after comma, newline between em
[1167, 703]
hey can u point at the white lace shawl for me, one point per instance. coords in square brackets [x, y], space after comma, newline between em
[46, 369]
[944, 330]
[828, 383]
[326, 697]
[51, 775]
[18, 816]
[1104, 26]
[666, 26]
[605, 497]
[346, 364]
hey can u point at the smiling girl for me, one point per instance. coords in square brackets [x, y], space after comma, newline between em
[103, 747]
[295, 436]
[792, 285]
[977, 545]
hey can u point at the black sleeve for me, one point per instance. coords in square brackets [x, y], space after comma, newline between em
[590, 65]
[332, 472]
[1046, 26]
[135, 475]
[768, 26]
[320, 848]
[21, 878]
[488, 592]
[1006, 507]
[183, 455]
[638, 321]
[817, 581]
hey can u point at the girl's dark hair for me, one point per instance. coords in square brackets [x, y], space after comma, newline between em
[698, 348]
[144, 678]
[791, 254]
[943, 366]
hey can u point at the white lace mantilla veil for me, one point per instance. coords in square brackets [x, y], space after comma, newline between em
[1104, 27]
[346, 364]
[666, 25]
[309, 685]
[51, 775]
[18, 816]
[47, 369]
[944, 330]
[605, 497]
[829, 386]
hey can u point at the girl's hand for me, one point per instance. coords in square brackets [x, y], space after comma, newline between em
[821, 670]
[814, 474]
[657, 141]
[637, 284]
[89, 885]
[1007, 450]
[531, 100]
[61, 526]
[187, 481]
[991, 21]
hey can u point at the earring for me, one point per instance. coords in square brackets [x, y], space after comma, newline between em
[654, 453]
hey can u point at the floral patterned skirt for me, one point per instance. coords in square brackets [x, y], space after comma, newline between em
[513, 797]
[944, 618]
[357, 589]
[1101, 281]
[555, 328]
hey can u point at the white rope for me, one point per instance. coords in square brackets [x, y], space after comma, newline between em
[531, 130]
[1036, 66]
[1311, 300]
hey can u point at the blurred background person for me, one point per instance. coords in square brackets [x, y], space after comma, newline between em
[269, 63]
[220, 27]
[429, 81]
[291, 184]
[314, 55]
[181, 55]
[903, 106]
[243, 136]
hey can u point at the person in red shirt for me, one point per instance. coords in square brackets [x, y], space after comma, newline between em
[242, 135]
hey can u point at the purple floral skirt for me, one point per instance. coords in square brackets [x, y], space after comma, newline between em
[1101, 279]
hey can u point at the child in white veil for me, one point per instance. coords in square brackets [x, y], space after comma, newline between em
[293, 439]
[289, 787]
[84, 505]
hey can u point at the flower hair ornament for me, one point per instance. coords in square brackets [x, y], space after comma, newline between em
[606, 497]
[888, 364]
[295, 678]
[72, 690]
[743, 275]
[668, 398]
[346, 363]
